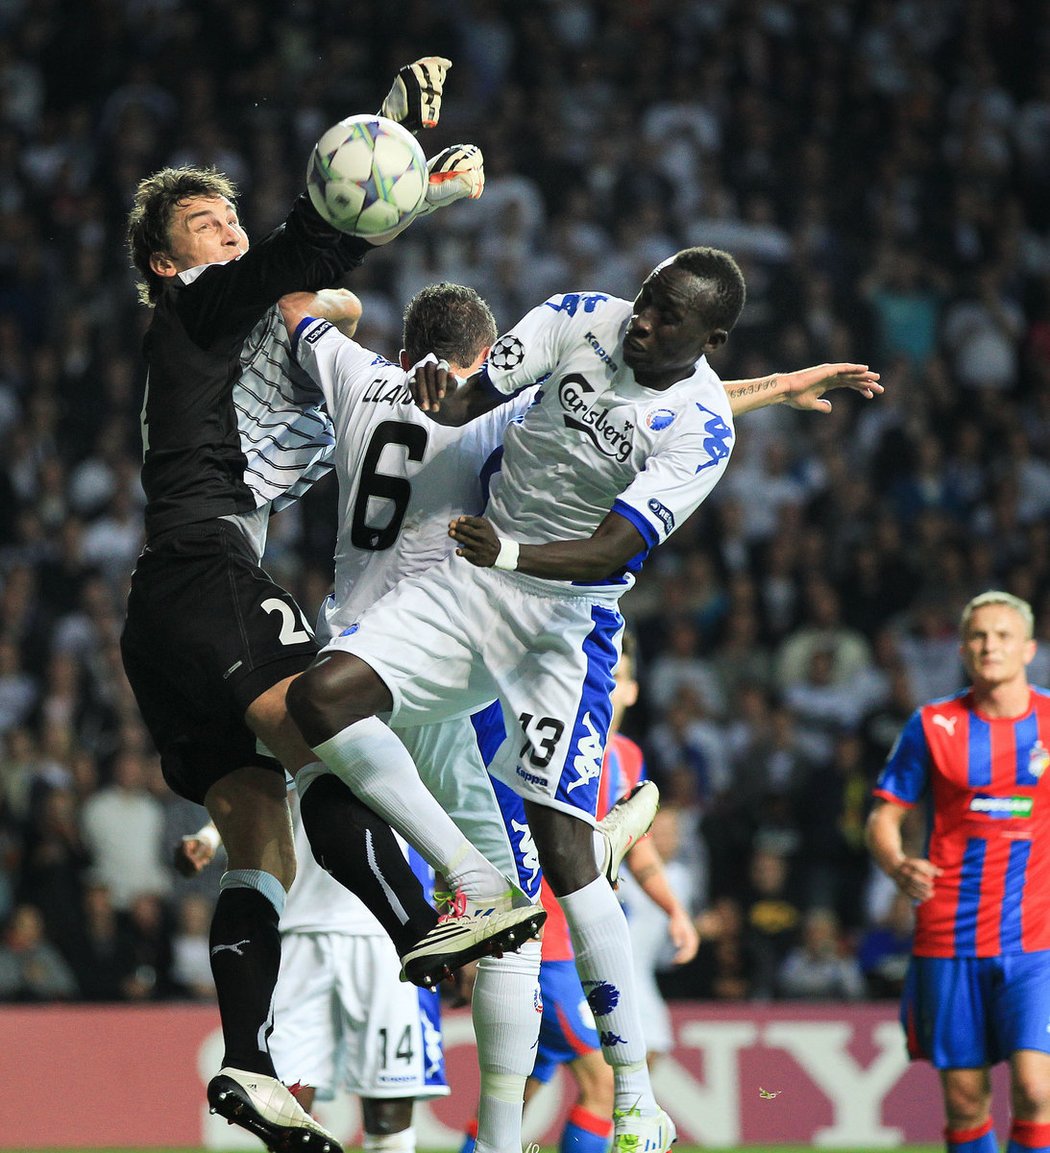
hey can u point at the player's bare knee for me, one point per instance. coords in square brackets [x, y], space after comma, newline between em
[1029, 1095]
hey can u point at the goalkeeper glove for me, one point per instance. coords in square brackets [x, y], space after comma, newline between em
[414, 99]
[456, 172]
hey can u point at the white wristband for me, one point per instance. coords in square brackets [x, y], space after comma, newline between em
[507, 557]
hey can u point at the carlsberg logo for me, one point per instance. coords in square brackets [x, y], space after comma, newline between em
[1002, 806]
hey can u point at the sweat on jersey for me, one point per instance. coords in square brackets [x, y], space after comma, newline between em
[988, 824]
[226, 426]
[596, 440]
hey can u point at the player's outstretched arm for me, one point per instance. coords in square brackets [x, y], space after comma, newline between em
[803, 389]
[614, 542]
[414, 99]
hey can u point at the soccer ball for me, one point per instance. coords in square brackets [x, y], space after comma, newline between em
[366, 174]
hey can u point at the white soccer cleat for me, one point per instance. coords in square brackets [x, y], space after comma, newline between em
[265, 1106]
[467, 932]
[635, 1132]
[624, 825]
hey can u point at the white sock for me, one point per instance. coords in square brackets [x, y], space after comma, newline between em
[506, 1011]
[603, 959]
[371, 760]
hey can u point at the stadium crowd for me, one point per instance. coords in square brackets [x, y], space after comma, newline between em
[880, 169]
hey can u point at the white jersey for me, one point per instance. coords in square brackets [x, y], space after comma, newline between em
[402, 476]
[596, 441]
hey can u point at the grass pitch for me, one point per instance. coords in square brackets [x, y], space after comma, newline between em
[678, 1149]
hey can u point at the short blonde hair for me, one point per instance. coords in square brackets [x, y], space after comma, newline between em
[997, 597]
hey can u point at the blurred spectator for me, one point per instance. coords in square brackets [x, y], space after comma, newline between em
[123, 829]
[191, 954]
[99, 946]
[818, 968]
[772, 918]
[150, 933]
[884, 950]
[680, 667]
[823, 630]
[31, 968]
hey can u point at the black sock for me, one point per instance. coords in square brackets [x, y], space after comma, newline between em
[359, 849]
[245, 956]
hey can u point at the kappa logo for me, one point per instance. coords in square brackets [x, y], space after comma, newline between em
[717, 443]
[530, 858]
[432, 1052]
[946, 723]
[588, 759]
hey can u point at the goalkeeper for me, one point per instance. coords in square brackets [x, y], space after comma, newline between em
[230, 432]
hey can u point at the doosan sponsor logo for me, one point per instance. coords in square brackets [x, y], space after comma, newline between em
[1002, 806]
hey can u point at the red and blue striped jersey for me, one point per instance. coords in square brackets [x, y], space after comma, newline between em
[988, 824]
[622, 768]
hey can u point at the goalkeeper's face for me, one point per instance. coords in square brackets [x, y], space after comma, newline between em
[203, 230]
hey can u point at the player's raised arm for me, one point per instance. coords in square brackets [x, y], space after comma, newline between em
[803, 389]
[414, 99]
[614, 542]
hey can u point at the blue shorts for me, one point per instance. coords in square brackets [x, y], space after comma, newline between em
[567, 1027]
[970, 1012]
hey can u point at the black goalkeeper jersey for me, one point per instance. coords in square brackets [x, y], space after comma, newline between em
[221, 410]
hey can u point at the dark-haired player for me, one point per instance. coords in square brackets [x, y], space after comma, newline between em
[630, 432]
[211, 643]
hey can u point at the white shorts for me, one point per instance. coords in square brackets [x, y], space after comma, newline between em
[344, 1019]
[458, 636]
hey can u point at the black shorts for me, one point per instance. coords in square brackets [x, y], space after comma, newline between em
[207, 631]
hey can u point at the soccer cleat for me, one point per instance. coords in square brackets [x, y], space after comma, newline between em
[625, 824]
[635, 1132]
[464, 934]
[266, 1107]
